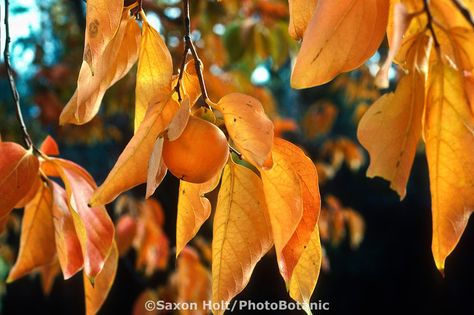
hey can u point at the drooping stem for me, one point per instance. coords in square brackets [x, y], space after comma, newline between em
[11, 80]
[189, 47]
[464, 11]
[426, 8]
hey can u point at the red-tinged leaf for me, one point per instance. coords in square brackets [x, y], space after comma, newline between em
[242, 232]
[97, 293]
[301, 12]
[31, 193]
[93, 225]
[308, 181]
[125, 233]
[131, 168]
[117, 59]
[249, 127]
[18, 173]
[155, 69]
[156, 168]
[193, 209]
[283, 196]
[48, 274]
[68, 246]
[151, 210]
[49, 146]
[102, 20]
[37, 235]
[340, 37]
[153, 247]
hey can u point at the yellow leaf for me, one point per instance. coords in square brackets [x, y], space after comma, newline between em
[249, 127]
[242, 232]
[340, 37]
[449, 137]
[97, 293]
[155, 69]
[193, 209]
[190, 83]
[131, 168]
[156, 168]
[180, 120]
[102, 22]
[301, 12]
[37, 235]
[391, 128]
[117, 59]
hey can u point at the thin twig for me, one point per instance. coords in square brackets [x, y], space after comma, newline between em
[234, 150]
[426, 8]
[11, 80]
[189, 46]
[464, 11]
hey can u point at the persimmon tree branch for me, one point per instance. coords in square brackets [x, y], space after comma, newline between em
[464, 11]
[426, 8]
[11, 80]
[189, 47]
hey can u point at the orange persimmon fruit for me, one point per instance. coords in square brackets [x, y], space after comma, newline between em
[198, 154]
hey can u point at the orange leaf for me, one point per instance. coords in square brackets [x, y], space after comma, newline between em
[68, 246]
[37, 235]
[249, 127]
[156, 168]
[193, 209]
[340, 37]
[391, 128]
[301, 12]
[125, 232]
[93, 226]
[155, 69]
[18, 173]
[48, 275]
[102, 20]
[283, 196]
[117, 59]
[131, 168]
[97, 293]
[49, 146]
[242, 232]
[180, 120]
[193, 282]
[449, 136]
[190, 83]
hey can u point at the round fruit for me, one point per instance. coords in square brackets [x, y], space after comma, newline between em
[198, 154]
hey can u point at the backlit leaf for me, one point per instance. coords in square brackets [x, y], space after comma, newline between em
[242, 232]
[249, 127]
[301, 12]
[340, 37]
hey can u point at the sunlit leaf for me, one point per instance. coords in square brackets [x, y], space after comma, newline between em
[301, 12]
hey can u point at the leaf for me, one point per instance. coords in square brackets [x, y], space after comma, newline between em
[31, 193]
[391, 128]
[103, 20]
[49, 146]
[118, 58]
[156, 168]
[301, 12]
[48, 275]
[401, 20]
[125, 232]
[18, 173]
[193, 209]
[356, 226]
[242, 232]
[180, 120]
[283, 196]
[307, 175]
[193, 282]
[37, 235]
[68, 246]
[93, 225]
[131, 168]
[97, 293]
[190, 83]
[448, 133]
[340, 37]
[249, 127]
[155, 69]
